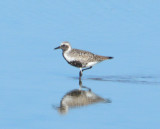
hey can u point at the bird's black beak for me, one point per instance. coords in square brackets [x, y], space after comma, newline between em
[57, 48]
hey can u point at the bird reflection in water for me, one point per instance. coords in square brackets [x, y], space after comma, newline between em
[78, 97]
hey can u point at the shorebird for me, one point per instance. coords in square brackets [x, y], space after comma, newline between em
[78, 98]
[80, 58]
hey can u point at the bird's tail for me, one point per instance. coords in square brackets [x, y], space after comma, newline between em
[108, 57]
[101, 58]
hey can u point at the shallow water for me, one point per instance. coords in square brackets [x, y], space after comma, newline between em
[38, 89]
[35, 104]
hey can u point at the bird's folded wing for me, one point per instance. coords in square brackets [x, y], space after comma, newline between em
[82, 55]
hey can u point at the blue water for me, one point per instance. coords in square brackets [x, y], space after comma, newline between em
[34, 78]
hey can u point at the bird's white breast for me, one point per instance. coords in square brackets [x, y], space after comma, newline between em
[68, 57]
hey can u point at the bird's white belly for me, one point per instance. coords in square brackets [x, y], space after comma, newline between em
[91, 64]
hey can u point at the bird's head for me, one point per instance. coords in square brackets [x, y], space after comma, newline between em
[65, 46]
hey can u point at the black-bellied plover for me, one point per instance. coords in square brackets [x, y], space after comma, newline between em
[78, 98]
[80, 58]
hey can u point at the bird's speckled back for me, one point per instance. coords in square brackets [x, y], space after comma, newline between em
[86, 56]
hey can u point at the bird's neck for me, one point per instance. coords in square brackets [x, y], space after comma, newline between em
[67, 50]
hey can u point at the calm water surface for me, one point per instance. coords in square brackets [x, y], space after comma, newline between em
[29, 103]
[39, 90]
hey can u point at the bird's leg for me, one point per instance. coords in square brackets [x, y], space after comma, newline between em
[80, 83]
[80, 74]
[86, 68]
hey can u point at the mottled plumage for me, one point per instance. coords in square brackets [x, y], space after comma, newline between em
[80, 58]
[86, 57]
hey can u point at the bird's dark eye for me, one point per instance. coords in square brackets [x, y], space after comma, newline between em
[63, 45]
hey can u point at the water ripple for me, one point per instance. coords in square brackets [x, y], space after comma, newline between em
[144, 79]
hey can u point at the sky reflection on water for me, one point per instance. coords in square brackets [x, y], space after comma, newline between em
[33, 77]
